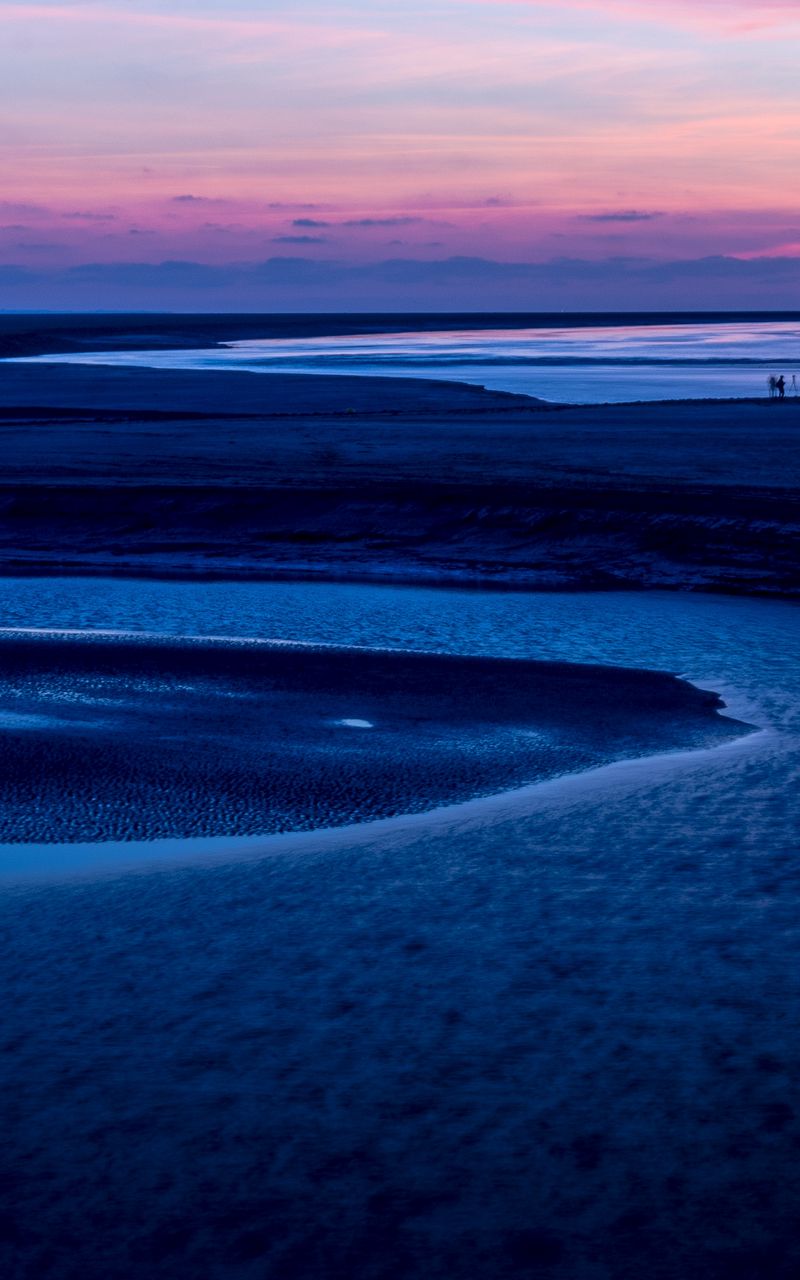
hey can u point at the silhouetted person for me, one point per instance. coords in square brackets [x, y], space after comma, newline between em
[780, 383]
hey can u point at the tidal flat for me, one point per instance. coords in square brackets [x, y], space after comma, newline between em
[109, 738]
[217, 474]
[508, 987]
[552, 1034]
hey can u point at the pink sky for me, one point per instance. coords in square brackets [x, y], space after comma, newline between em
[138, 131]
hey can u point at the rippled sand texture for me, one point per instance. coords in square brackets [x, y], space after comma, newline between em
[557, 1038]
[137, 738]
[559, 1044]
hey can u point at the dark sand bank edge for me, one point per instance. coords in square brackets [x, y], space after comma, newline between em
[501, 582]
[30, 386]
[492, 688]
[23, 644]
[484, 537]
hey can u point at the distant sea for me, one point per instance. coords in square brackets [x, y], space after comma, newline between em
[604, 363]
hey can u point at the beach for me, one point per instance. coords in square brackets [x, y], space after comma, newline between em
[398, 828]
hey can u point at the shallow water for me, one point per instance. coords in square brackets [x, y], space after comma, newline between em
[751, 647]
[582, 365]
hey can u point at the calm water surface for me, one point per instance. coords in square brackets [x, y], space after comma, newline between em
[581, 365]
[752, 647]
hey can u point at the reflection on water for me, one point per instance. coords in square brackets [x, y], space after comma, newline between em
[580, 365]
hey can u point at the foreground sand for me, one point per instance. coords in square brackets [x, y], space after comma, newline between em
[561, 1043]
[237, 474]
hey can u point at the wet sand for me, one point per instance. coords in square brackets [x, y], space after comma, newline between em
[560, 1042]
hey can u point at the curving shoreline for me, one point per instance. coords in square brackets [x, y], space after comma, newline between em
[560, 989]
[22, 864]
[142, 738]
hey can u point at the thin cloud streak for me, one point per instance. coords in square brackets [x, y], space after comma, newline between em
[725, 13]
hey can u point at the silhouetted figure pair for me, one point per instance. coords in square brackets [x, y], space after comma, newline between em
[777, 387]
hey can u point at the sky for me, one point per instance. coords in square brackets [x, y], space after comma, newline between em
[400, 154]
